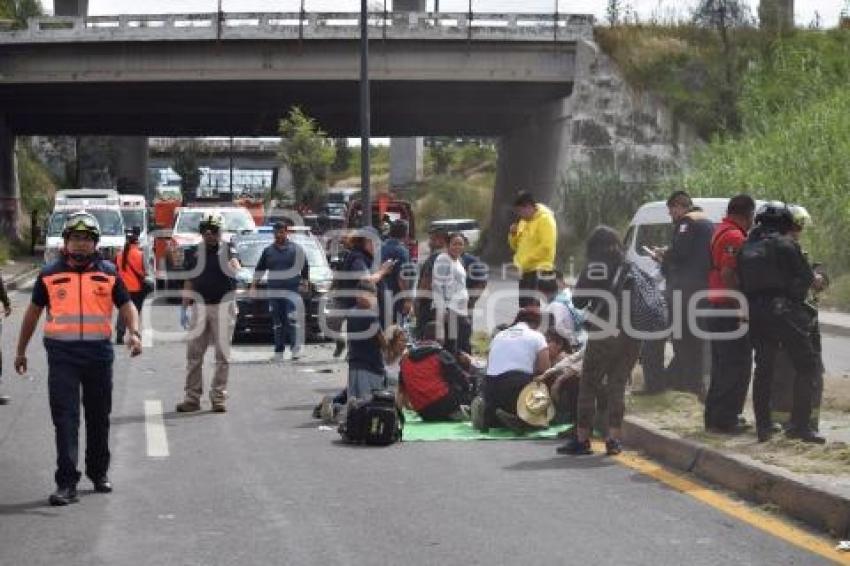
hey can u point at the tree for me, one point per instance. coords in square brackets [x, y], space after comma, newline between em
[185, 164]
[342, 155]
[308, 153]
[613, 12]
[725, 16]
[20, 11]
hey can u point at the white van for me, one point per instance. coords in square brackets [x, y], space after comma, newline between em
[651, 227]
[102, 203]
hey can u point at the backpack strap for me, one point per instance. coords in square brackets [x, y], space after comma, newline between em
[716, 238]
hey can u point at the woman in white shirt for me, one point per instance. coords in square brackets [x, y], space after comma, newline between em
[516, 354]
[451, 298]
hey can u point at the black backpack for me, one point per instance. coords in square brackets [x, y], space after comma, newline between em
[376, 421]
[759, 266]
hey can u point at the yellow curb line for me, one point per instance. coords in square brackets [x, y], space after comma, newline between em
[741, 511]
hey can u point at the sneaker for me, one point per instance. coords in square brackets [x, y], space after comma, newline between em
[575, 447]
[102, 484]
[188, 407]
[805, 434]
[5, 399]
[613, 447]
[295, 353]
[287, 356]
[63, 496]
[218, 406]
[476, 410]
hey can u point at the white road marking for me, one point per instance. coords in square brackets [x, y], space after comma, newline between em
[157, 441]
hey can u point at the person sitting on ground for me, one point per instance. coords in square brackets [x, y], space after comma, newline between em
[563, 377]
[567, 319]
[516, 355]
[366, 342]
[396, 346]
[432, 382]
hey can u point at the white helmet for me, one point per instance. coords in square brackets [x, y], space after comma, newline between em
[211, 219]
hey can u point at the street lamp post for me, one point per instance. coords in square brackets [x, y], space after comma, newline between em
[365, 119]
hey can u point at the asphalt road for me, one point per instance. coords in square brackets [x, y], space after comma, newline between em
[263, 484]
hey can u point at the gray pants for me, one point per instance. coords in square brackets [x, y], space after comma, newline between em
[213, 326]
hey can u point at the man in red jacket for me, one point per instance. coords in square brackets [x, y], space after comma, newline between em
[432, 383]
[731, 360]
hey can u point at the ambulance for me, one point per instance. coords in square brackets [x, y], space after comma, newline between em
[103, 204]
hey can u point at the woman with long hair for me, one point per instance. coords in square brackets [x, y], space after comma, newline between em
[607, 357]
[395, 345]
[450, 296]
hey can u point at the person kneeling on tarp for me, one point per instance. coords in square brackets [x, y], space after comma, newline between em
[432, 383]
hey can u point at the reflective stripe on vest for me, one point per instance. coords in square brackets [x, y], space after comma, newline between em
[80, 305]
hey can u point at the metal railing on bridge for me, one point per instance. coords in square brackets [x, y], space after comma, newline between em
[465, 26]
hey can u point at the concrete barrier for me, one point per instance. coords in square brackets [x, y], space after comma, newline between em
[817, 505]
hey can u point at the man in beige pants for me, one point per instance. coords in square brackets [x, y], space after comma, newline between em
[212, 266]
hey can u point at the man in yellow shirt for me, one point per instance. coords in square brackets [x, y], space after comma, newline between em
[532, 239]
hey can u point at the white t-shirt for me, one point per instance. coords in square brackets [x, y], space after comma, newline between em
[515, 349]
[448, 284]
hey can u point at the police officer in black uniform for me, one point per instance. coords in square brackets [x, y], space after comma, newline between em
[776, 278]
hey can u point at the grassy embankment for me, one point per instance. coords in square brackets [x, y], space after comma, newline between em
[792, 105]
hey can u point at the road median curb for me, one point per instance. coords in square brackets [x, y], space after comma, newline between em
[761, 483]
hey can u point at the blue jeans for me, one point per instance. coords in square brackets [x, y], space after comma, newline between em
[284, 330]
[362, 383]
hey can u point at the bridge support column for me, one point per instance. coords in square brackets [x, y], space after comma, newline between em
[406, 157]
[10, 194]
[77, 8]
[533, 159]
[131, 164]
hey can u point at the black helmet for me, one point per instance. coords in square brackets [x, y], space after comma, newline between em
[775, 214]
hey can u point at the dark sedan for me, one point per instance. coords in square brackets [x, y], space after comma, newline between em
[254, 319]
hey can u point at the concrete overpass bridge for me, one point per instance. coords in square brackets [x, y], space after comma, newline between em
[504, 75]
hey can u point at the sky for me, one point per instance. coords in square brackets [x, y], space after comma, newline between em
[828, 10]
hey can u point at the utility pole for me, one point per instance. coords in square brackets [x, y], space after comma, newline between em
[365, 118]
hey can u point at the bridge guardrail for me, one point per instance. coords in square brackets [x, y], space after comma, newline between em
[297, 26]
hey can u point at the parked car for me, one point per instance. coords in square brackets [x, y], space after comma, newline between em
[237, 220]
[254, 318]
[467, 226]
[651, 227]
